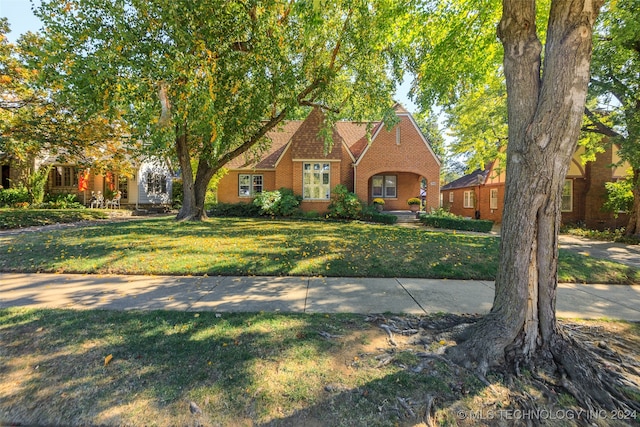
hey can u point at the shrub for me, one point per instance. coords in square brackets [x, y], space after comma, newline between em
[10, 197]
[61, 201]
[310, 215]
[177, 194]
[36, 183]
[344, 205]
[243, 210]
[442, 212]
[371, 214]
[281, 202]
[619, 196]
[453, 222]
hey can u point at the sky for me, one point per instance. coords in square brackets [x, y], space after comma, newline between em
[21, 20]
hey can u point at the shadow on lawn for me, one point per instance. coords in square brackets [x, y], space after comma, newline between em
[240, 369]
[249, 246]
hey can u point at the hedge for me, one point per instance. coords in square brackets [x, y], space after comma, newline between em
[243, 210]
[464, 224]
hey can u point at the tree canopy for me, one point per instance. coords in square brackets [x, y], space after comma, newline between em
[35, 122]
[615, 89]
[210, 79]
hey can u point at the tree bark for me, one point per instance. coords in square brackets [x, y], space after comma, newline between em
[544, 116]
[633, 227]
[188, 211]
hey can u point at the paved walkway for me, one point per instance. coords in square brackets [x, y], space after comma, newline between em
[618, 252]
[312, 294]
[295, 294]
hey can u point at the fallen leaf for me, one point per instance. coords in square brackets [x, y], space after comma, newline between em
[108, 359]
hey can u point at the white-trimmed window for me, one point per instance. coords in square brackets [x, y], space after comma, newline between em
[493, 198]
[316, 182]
[385, 186]
[249, 185]
[469, 199]
[156, 183]
[451, 197]
[65, 176]
[567, 196]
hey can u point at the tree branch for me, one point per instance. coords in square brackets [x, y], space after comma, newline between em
[336, 49]
[270, 124]
[600, 127]
[307, 103]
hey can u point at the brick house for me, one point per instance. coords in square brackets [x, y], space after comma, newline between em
[393, 165]
[481, 193]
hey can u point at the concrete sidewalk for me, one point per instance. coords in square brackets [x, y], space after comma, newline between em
[295, 294]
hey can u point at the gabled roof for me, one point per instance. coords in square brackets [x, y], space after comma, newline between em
[400, 111]
[354, 135]
[279, 137]
[302, 138]
[306, 143]
[477, 177]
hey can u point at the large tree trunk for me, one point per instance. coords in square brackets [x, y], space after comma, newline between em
[203, 177]
[544, 123]
[633, 227]
[188, 211]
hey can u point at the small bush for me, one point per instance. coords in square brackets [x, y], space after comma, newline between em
[242, 210]
[282, 202]
[607, 235]
[36, 183]
[310, 215]
[61, 201]
[371, 214]
[464, 224]
[10, 197]
[344, 205]
[177, 194]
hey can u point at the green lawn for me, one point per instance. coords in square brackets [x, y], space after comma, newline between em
[19, 218]
[224, 246]
[97, 367]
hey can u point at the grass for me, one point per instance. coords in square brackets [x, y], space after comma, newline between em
[224, 246]
[240, 369]
[19, 218]
[237, 368]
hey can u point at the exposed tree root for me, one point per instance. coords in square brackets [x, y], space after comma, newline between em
[594, 381]
[598, 369]
[598, 377]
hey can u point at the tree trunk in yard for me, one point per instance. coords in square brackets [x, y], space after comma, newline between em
[544, 123]
[633, 227]
[189, 210]
[203, 177]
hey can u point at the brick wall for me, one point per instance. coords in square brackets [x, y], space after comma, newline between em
[411, 156]
[595, 195]
[228, 185]
[457, 206]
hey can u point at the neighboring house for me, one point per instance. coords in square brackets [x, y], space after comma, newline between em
[8, 173]
[481, 193]
[151, 183]
[391, 165]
